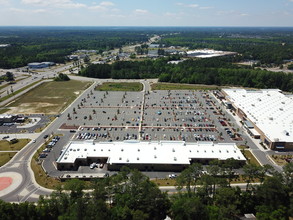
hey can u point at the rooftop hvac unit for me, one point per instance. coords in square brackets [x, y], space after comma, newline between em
[271, 118]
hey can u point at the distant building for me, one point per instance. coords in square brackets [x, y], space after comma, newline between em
[267, 114]
[40, 65]
[154, 46]
[206, 53]
[159, 156]
[175, 61]
[5, 45]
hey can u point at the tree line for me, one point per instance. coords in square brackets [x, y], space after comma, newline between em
[214, 71]
[131, 195]
[39, 44]
[270, 46]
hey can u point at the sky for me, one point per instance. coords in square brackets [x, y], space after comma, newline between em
[146, 13]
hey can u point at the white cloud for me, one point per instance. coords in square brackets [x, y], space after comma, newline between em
[170, 14]
[192, 6]
[54, 3]
[107, 4]
[141, 11]
[4, 2]
[187, 5]
[39, 11]
[17, 10]
[103, 6]
[206, 8]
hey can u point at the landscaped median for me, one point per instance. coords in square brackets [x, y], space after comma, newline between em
[9, 148]
[120, 86]
[178, 86]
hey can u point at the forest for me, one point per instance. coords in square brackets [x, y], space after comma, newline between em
[39, 44]
[131, 195]
[267, 45]
[214, 71]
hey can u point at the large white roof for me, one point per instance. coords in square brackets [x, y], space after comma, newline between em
[134, 152]
[270, 110]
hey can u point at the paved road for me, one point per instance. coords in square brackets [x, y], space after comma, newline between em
[28, 189]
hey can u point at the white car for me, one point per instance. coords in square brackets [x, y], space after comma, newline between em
[93, 165]
[172, 176]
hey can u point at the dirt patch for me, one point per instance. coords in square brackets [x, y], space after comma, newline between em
[35, 108]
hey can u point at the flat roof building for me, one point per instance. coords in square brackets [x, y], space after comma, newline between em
[269, 111]
[40, 65]
[160, 156]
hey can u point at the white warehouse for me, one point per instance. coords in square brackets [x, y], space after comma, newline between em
[159, 156]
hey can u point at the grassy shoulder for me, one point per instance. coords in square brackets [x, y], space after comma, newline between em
[121, 86]
[50, 97]
[7, 146]
[178, 86]
[18, 91]
[5, 157]
[3, 110]
[250, 158]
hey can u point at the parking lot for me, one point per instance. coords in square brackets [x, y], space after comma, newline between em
[159, 115]
[190, 116]
[34, 122]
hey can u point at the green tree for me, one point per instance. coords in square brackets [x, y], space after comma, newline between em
[189, 177]
[138, 193]
[188, 207]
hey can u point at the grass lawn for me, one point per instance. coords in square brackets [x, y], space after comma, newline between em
[3, 110]
[49, 97]
[123, 86]
[250, 158]
[6, 146]
[178, 86]
[5, 157]
[42, 178]
[164, 182]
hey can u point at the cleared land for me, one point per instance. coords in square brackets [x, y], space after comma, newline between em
[177, 86]
[7, 146]
[48, 98]
[124, 86]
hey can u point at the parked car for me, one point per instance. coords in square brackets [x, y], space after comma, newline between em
[93, 165]
[172, 176]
